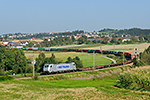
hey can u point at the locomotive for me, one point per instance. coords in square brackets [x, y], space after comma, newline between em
[62, 67]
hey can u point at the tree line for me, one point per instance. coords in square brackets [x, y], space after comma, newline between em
[15, 61]
[59, 41]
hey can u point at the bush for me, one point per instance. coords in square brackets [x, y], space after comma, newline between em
[35, 78]
[10, 72]
[4, 78]
[138, 79]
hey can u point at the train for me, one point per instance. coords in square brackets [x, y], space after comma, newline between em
[61, 67]
[128, 55]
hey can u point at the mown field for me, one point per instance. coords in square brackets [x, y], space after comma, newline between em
[93, 85]
[86, 58]
[124, 47]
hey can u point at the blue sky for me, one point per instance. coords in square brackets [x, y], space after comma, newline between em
[58, 15]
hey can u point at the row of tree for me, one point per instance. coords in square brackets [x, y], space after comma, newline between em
[14, 61]
[56, 42]
[40, 35]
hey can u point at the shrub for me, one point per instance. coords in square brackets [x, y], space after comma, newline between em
[137, 79]
[9, 72]
[35, 78]
[4, 78]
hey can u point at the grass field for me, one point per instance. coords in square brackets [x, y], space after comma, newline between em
[87, 59]
[67, 89]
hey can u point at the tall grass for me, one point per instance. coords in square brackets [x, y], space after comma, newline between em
[135, 79]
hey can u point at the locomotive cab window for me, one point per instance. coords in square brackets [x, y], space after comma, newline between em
[46, 66]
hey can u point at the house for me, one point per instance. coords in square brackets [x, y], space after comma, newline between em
[99, 39]
[24, 43]
[104, 35]
[125, 39]
[5, 42]
[91, 38]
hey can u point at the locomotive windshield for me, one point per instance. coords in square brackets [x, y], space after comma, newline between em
[46, 66]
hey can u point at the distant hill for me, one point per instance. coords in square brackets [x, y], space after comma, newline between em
[134, 31]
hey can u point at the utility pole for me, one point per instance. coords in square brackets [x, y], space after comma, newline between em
[114, 46]
[100, 46]
[136, 52]
[123, 58]
[123, 55]
[139, 53]
[93, 60]
[33, 64]
[49, 48]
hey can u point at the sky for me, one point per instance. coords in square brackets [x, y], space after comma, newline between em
[34, 16]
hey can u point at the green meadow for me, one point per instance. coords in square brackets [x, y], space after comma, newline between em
[93, 85]
[86, 58]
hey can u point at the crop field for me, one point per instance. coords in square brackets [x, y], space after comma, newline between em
[123, 47]
[128, 47]
[99, 86]
[87, 59]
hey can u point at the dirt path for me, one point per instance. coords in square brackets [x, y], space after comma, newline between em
[109, 58]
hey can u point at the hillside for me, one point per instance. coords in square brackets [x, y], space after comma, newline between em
[94, 85]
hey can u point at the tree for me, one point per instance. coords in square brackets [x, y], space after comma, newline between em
[1, 39]
[5, 37]
[2, 50]
[20, 60]
[9, 60]
[84, 38]
[141, 38]
[134, 39]
[113, 40]
[73, 39]
[6, 60]
[105, 40]
[119, 41]
[31, 44]
[94, 41]
[78, 62]
[53, 56]
[80, 40]
[40, 62]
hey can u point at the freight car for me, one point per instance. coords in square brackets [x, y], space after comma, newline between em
[128, 55]
[51, 68]
[62, 67]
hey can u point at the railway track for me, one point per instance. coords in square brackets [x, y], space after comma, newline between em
[130, 64]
